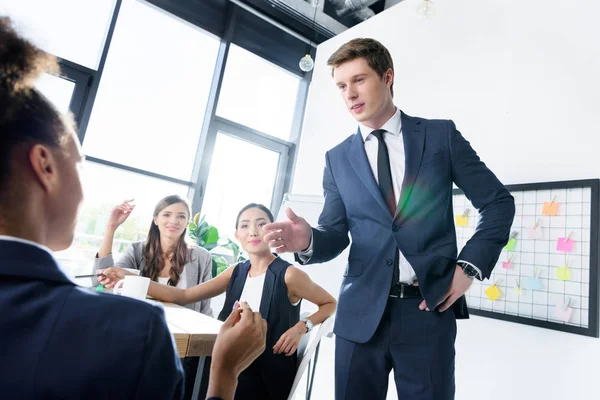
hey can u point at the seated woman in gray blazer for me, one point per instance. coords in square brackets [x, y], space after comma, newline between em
[165, 256]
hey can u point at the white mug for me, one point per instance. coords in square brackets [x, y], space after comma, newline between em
[133, 286]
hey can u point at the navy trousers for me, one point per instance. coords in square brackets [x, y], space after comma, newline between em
[417, 345]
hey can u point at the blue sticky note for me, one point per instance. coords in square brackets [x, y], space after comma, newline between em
[534, 283]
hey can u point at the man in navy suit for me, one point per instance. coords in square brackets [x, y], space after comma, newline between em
[390, 186]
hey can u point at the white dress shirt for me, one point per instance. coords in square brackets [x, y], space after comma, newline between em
[395, 144]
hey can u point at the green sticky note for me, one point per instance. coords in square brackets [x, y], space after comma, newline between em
[511, 244]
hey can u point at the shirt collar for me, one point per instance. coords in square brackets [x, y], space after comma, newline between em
[393, 126]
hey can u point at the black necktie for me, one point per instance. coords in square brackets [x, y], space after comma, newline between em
[384, 173]
[384, 176]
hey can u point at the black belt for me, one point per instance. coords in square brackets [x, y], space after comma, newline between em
[405, 291]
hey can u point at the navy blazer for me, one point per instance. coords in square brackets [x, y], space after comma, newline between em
[436, 156]
[62, 341]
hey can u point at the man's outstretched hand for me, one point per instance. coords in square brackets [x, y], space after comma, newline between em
[290, 236]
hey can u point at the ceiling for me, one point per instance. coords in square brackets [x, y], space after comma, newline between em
[330, 17]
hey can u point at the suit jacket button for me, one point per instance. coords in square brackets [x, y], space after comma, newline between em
[395, 228]
[389, 262]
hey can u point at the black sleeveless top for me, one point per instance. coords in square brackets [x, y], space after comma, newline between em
[275, 305]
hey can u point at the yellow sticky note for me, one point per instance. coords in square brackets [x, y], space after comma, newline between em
[563, 273]
[550, 208]
[462, 220]
[493, 293]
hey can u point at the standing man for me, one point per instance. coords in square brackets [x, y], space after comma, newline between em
[390, 185]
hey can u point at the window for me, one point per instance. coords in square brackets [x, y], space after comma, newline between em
[70, 29]
[150, 104]
[58, 90]
[240, 173]
[258, 94]
[105, 187]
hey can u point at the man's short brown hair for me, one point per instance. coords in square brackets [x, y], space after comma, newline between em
[376, 55]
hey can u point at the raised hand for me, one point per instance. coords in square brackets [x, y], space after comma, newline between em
[289, 236]
[120, 213]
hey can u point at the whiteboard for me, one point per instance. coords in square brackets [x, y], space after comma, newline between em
[548, 275]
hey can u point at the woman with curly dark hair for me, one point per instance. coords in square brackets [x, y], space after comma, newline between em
[50, 328]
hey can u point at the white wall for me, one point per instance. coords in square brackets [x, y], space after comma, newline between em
[520, 79]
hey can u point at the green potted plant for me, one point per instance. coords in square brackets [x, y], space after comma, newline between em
[207, 237]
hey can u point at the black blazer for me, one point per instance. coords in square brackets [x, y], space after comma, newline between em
[62, 341]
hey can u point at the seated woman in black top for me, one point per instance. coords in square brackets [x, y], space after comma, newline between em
[268, 284]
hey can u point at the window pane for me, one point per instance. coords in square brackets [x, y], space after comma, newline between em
[105, 187]
[258, 94]
[152, 97]
[58, 90]
[71, 29]
[240, 173]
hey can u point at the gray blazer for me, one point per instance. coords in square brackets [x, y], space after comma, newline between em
[197, 270]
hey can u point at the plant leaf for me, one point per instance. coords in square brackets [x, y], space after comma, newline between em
[202, 231]
[221, 264]
[210, 246]
[212, 236]
[214, 268]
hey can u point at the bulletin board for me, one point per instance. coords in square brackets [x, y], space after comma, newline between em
[547, 274]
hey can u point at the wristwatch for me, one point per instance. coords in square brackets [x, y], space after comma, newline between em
[468, 270]
[309, 324]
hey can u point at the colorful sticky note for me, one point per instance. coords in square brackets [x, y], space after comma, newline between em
[518, 290]
[462, 220]
[563, 273]
[506, 264]
[493, 293]
[511, 244]
[534, 283]
[563, 313]
[535, 233]
[564, 244]
[550, 208]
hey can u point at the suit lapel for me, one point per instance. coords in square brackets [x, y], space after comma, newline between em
[360, 163]
[413, 136]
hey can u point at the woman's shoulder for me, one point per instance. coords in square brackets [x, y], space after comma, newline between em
[198, 252]
[138, 246]
[294, 274]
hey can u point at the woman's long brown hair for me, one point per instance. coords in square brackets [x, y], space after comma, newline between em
[153, 253]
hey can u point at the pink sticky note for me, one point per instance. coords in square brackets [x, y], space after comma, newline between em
[506, 264]
[535, 233]
[562, 313]
[564, 245]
